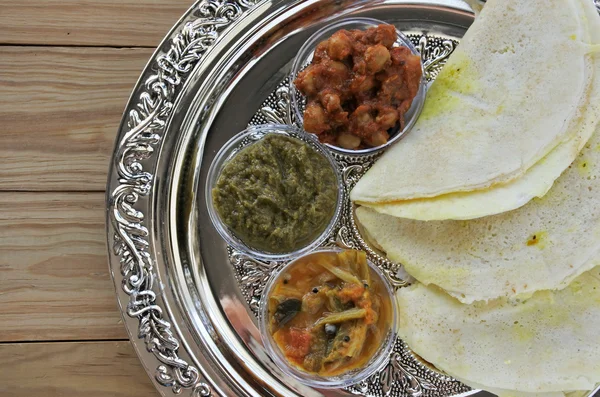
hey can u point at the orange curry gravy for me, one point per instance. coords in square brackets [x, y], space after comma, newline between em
[329, 312]
[358, 87]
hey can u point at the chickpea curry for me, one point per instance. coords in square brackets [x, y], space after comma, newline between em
[329, 313]
[359, 87]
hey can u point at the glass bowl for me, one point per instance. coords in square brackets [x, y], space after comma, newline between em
[249, 137]
[375, 363]
[305, 56]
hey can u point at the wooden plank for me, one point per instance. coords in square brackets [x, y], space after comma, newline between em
[95, 369]
[122, 23]
[60, 109]
[54, 279]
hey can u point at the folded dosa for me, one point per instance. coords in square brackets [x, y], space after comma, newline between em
[536, 181]
[547, 343]
[504, 101]
[542, 245]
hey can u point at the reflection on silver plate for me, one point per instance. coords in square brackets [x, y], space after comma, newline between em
[188, 300]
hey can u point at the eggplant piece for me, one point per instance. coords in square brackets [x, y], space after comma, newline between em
[347, 315]
[339, 345]
[347, 345]
[287, 310]
[313, 361]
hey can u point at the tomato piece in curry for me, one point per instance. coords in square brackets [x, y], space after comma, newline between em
[329, 312]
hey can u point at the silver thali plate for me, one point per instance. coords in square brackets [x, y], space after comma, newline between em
[188, 300]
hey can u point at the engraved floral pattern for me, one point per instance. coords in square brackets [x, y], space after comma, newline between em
[434, 52]
[145, 126]
[252, 275]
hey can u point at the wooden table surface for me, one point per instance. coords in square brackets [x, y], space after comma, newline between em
[66, 71]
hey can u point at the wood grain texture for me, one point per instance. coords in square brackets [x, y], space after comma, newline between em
[95, 369]
[121, 23]
[60, 109]
[54, 280]
[62, 95]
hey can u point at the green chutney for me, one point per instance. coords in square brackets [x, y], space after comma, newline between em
[277, 195]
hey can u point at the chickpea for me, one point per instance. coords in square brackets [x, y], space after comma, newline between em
[321, 51]
[387, 118]
[306, 81]
[314, 118]
[363, 83]
[364, 120]
[339, 118]
[389, 88]
[377, 139]
[339, 68]
[340, 46]
[399, 55]
[362, 115]
[331, 101]
[413, 73]
[337, 73]
[386, 35]
[404, 106]
[348, 141]
[358, 87]
[377, 57]
[360, 66]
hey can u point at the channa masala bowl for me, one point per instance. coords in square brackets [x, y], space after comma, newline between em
[327, 318]
[274, 192]
[358, 85]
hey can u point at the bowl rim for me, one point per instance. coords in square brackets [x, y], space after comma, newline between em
[236, 144]
[350, 378]
[307, 50]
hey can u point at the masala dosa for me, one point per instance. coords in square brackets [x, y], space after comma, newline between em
[504, 100]
[547, 343]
